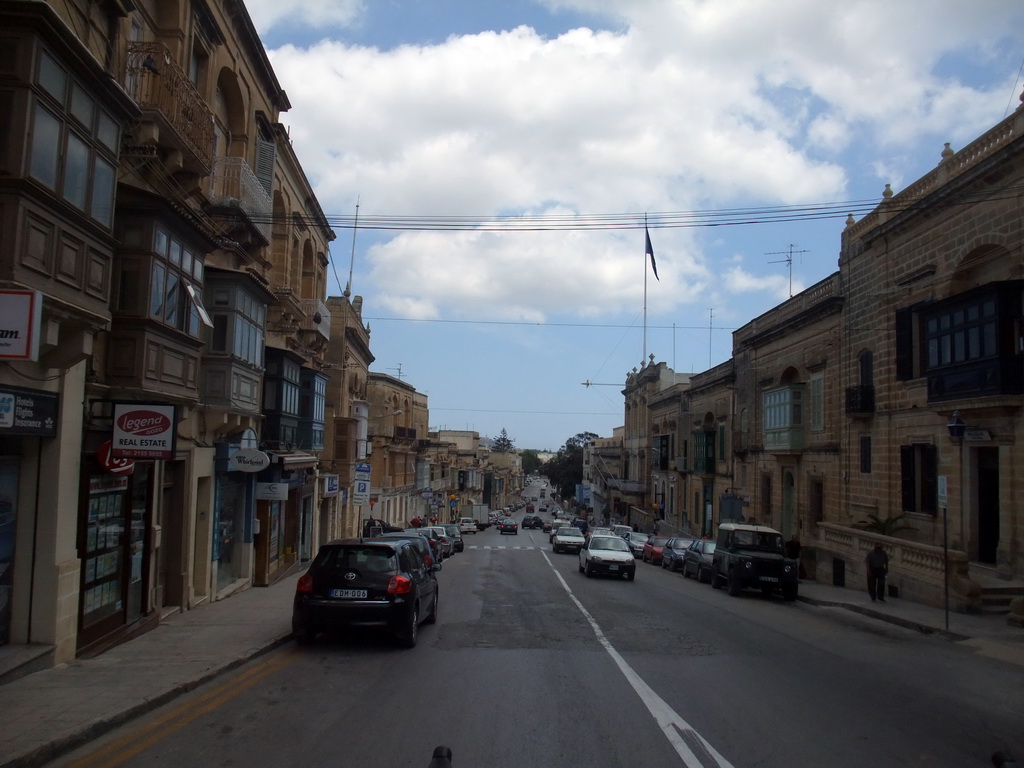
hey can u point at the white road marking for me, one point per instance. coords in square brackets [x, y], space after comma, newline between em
[671, 724]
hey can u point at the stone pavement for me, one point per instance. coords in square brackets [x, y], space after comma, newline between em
[50, 712]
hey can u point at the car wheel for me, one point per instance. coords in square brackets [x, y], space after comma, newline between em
[735, 584]
[432, 617]
[589, 571]
[663, 563]
[408, 638]
[715, 584]
[790, 592]
[631, 575]
[581, 567]
[303, 635]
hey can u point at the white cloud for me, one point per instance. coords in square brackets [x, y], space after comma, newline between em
[267, 14]
[685, 105]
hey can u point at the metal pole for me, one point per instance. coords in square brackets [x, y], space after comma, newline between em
[945, 563]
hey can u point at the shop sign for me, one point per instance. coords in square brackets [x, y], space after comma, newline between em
[272, 491]
[248, 460]
[144, 431]
[112, 465]
[332, 486]
[21, 322]
[27, 412]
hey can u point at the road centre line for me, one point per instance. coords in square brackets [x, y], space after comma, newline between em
[676, 730]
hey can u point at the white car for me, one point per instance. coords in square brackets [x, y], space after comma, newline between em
[567, 539]
[607, 555]
[467, 525]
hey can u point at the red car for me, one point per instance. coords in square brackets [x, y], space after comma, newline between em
[654, 548]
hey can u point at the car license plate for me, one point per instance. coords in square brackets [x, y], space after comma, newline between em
[350, 593]
[769, 578]
[613, 567]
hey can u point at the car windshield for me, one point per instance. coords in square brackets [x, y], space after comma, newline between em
[360, 558]
[659, 541]
[568, 532]
[758, 540]
[639, 537]
[609, 542]
[452, 529]
[709, 547]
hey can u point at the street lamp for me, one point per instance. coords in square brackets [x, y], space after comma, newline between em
[956, 426]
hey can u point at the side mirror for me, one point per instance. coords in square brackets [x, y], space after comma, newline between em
[437, 566]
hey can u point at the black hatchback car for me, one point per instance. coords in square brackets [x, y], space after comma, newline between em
[366, 583]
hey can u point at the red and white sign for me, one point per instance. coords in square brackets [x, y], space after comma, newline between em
[143, 431]
[21, 321]
[109, 463]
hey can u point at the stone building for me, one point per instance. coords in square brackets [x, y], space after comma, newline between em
[167, 255]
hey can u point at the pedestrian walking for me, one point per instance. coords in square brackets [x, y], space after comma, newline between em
[877, 562]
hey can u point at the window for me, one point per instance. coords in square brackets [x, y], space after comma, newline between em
[74, 144]
[782, 408]
[962, 333]
[919, 478]
[704, 452]
[175, 293]
[865, 454]
[721, 443]
[816, 498]
[816, 385]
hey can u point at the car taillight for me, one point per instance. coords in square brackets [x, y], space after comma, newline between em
[305, 585]
[429, 561]
[399, 585]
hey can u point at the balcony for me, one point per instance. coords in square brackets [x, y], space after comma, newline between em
[174, 115]
[860, 401]
[784, 440]
[235, 186]
[317, 318]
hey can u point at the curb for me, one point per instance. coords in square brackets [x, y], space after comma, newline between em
[924, 629]
[65, 744]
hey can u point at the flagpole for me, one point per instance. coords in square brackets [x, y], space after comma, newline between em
[644, 358]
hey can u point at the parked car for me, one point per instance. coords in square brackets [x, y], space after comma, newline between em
[636, 543]
[607, 555]
[653, 549]
[360, 583]
[447, 542]
[508, 525]
[420, 542]
[672, 554]
[435, 541]
[532, 521]
[467, 525]
[753, 556]
[455, 533]
[567, 539]
[697, 560]
[622, 530]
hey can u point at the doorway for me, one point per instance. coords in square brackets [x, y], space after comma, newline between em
[987, 467]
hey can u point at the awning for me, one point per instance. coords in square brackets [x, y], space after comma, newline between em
[295, 459]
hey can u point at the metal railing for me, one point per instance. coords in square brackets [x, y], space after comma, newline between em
[154, 79]
[235, 184]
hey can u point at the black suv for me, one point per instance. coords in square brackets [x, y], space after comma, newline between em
[366, 583]
[532, 521]
[753, 556]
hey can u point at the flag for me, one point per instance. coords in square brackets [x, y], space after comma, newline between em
[650, 252]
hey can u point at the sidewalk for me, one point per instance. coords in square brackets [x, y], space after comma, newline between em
[50, 712]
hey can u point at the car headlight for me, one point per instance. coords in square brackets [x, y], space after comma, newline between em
[788, 568]
[748, 563]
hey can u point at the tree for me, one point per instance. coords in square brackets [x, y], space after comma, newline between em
[531, 461]
[503, 443]
[887, 526]
[565, 468]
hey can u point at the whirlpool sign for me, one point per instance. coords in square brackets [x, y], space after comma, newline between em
[143, 431]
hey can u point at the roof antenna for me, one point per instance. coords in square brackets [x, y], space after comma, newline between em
[787, 261]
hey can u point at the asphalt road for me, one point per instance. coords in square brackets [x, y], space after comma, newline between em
[533, 664]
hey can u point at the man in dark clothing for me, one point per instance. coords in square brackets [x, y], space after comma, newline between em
[877, 562]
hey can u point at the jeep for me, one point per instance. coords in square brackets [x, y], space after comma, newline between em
[753, 556]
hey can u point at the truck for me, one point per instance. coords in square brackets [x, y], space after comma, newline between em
[479, 513]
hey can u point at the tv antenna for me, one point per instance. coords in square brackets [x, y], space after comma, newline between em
[788, 261]
[399, 371]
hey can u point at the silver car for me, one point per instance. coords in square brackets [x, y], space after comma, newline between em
[567, 539]
[636, 542]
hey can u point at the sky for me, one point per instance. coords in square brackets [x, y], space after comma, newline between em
[501, 156]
